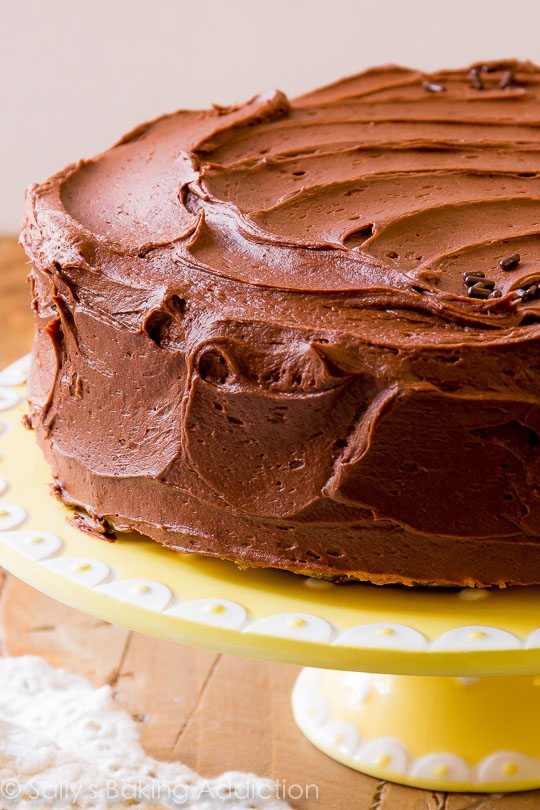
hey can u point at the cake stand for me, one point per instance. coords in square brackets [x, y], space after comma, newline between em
[459, 707]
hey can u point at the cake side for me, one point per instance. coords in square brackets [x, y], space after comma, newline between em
[305, 334]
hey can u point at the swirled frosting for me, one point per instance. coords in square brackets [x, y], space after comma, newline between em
[305, 333]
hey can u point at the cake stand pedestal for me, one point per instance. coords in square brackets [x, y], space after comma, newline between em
[459, 712]
[470, 734]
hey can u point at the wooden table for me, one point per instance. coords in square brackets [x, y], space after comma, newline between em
[213, 712]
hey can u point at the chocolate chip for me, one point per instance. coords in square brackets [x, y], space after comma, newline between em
[434, 87]
[473, 276]
[496, 293]
[527, 293]
[510, 262]
[507, 80]
[476, 78]
[479, 291]
[479, 280]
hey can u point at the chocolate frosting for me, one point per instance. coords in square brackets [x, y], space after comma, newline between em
[255, 337]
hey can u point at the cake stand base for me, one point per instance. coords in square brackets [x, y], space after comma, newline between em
[455, 734]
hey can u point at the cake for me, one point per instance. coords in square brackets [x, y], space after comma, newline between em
[304, 334]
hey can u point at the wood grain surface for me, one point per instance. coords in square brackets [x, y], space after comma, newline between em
[211, 711]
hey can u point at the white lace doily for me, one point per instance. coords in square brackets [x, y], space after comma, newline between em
[65, 744]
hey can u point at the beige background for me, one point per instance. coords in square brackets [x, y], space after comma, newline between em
[77, 74]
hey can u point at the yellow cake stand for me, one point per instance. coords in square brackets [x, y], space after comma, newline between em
[460, 710]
